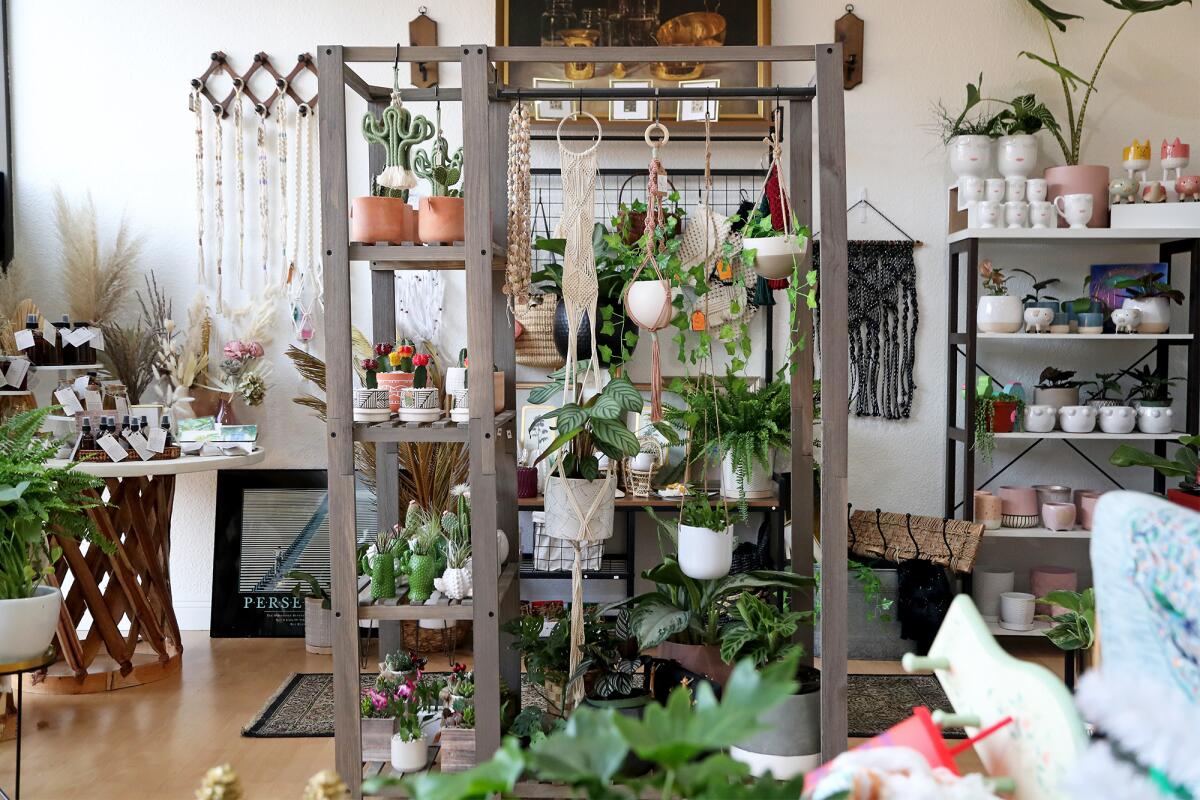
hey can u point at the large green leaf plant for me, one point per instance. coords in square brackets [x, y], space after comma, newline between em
[595, 424]
[1184, 464]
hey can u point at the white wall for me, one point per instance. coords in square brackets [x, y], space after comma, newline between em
[99, 104]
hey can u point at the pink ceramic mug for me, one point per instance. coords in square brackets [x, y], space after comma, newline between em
[1018, 500]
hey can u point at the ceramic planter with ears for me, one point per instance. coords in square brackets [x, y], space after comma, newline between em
[1039, 419]
[1154, 419]
[1117, 419]
[1077, 419]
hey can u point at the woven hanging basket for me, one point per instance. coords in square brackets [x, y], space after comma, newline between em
[561, 519]
[535, 346]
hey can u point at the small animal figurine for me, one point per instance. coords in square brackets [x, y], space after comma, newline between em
[1126, 320]
[1188, 187]
[1154, 192]
[1123, 190]
[1174, 157]
[1136, 158]
[1037, 320]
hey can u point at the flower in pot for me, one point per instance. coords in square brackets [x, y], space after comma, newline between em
[388, 372]
[705, 538]
[1185, 464]
[792, 743]
[379, 562]
[318, 616]
[1152, 297]
[409, 750]
[996, 411]
[379, 710]
[422, 531]
[402, 666]
[455, 582]
[1057, 387]
[441, 215]
[37, 502]
[998, 311]
[1074, 177]
[771, 253]
[385, 216]
[419, 402]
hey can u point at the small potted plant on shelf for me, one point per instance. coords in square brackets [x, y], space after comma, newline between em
[1034, 297]
[379, 707]
[402, 666]
[419, 402]
[390, 371]
[791, 743]
[372, 403]
[379, 562]
[546, 659]
[318, 617]
[385, 216]
[998, 311]
[1185, 463]
[1074, 618]
[1105, 390]
[457, 382]
[441, 217]
[773, 254]
[1152, 396]
[456, 581]
[409, 749]
[422, 532]
[458, 723]
[705, 538]
[968, 136]
[1151, 297]
[996, 411]
[36, 500]
[1058, 388]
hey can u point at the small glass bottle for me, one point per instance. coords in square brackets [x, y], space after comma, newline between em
[84, 353]
[86, 440]
[40, 354]
[169, 441]
[124, 425]
[65, 352]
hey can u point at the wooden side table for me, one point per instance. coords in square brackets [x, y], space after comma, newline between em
[18, 668]
[138, 587]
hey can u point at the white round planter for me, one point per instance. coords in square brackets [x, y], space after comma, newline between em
[1156, 313]
[999, 314]
[705, 554]
[1058, 398]
[1117, 419]
[648, 303]
[27, 624]
[1077, 419]
[318, 627]
[371, 405]
[409, 756]
[1154, 419]
[775, 256]
[456, 379]
[758, 483]
[987, 584]
[971, 155]
[455, 582]
[1017, 155]
[1040, 419]
[561, 520]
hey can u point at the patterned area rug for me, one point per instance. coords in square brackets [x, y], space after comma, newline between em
[303, 706]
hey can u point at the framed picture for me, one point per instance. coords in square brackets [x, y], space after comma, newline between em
[538, 434]
[629, 110]
[544, 110]
[695, 110]
[674, 24]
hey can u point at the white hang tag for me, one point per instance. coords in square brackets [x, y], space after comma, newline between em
[138, 443]
[49, 332]
[111, 446]
[24, 338]
[93, 400]
[79, 336]
[80, 384]
[17, 368]
[97, 339]
[122, 407]
[69, 401]
[157, 441]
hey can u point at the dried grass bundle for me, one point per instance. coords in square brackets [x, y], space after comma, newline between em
[97, 287]
[128, 354]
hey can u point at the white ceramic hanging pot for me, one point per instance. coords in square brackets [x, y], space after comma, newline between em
[409, 756]
[648, 303]
[1077, 419]
[1154, 419]
[27, 624]
[1117, 419]
[1155, 311]
[705, 554]
[999, 314]
[775, 257]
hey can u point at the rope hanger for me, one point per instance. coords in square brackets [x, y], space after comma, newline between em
[865, 203]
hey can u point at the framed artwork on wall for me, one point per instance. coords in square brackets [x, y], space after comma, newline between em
[545, 110]
[638, 23]
[629, 110]
[696, 110]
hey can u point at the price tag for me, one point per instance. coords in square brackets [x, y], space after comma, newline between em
[111, 446]
[97, 339]
[78, 336]
[122, 407]
[158, 440]
[16, 372]
[93, 400]
[24, 338]
[69, 401]
[138, 443]
[49, 332]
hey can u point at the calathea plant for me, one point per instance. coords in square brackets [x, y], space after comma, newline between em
[594, 424]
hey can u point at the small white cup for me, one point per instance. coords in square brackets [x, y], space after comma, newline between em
[1016, 611]
[1014, 189]
[970, 190]
[1076, 209]
[993, 190]
[1035, 189]
[1041, 214]
[1016, 214]
[988, 213]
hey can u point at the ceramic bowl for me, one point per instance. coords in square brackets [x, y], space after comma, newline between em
[1077, 419]
[1117, 419]
[1039, 419]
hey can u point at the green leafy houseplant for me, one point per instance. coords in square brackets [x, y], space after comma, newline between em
[610, 659]
[1151, 389]
[761, 632]
[995, 282]
[1021, 115]
[1075, 628]
[1054, 378]
[1148, 286]
[591, 425]
[1105, 389]
[37, 500]
[1039, 286]
[1184, 464]
[307, 585]
[698, 512]
[1071, 81]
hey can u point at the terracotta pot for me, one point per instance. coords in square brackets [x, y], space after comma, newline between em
[497, 391]
[1182, 498]
[394, 382]
[1003, 413]
[699, 658]
[441, 220]
[380, 219]
[1082, 179]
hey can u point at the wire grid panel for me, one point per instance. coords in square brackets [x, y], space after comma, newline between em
[729, 188]
[557, 555]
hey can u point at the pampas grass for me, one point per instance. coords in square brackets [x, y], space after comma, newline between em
[129, 353]
[98, 286]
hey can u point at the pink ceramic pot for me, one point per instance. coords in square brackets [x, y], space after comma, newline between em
[1043, 580]
[1018, 501]
[1058, 516]
[1087, 510]
[1089, 179]
[1077, 498]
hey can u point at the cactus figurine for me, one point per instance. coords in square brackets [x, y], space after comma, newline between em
[397, 131]
[403, 357]
[423, 531]
[380, 563]
[442, 170]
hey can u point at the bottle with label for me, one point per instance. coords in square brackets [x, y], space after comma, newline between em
[166, 426]
[41, 354]
[64, 351]
[84, 353]
[93, 382]
[86, 440]
[124, 427]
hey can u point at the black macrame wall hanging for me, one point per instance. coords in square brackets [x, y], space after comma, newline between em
[882, 323]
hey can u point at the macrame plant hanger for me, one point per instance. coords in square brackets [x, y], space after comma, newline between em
[219, 201]
[239, 151]
[197, 107]
[518, 270]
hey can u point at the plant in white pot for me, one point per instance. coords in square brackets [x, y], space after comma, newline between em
[1152, 297]
[38, 505]
[409, 751]
[773, 254]
[456, 581]
[318, 614]
[1152, 393]
[998, 311]
[705, 538]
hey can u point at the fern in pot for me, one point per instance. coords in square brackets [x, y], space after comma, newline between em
[39, 505]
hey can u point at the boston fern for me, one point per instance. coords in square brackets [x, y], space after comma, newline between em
[595, 424]
[37, 500]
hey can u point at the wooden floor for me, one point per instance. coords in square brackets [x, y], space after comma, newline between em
[156, 741]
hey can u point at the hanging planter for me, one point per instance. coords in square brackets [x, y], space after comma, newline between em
[441, 220]
[385, 216]
[705, 539]
[441, 217]
[605, 342]
[775, 257]
[648, 303]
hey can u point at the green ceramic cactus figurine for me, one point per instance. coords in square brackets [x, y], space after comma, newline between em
[397, 131]
[423, 531]
[442, 170]
[382, 566]
[462, 362]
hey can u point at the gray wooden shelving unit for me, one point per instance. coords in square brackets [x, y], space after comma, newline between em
[490, 436]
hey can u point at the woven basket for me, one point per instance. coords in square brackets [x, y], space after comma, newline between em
[535, 346]
[434, 640]
[167, 454]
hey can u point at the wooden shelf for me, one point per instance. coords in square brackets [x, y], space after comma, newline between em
[1039, 629]
[1035, 533]
[1089, 337]
[391, 257]
[1076, 236]
[396, 608]
[443, 430]
[1095, 435]
[627, 502]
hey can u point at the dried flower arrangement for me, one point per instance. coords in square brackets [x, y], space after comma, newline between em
[98, 287]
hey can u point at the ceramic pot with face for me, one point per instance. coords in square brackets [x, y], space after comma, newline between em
[999, 314]
[1155, 311]
[987, 214]
[1076, 210]
[1017, 155]
[1077, 419]
[971, 155]
[1154, 419]
[1040, 419]
[1041, 214]
[1117, 419]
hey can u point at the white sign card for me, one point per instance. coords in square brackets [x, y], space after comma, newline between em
[69, 401]
[157, 441]
[24, 338]
[111, 446]
[16, 372]
[138, 443]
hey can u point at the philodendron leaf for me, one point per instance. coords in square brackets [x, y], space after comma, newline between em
[1071, 78]
[587, 752]
[1053, 16]
[492, 778]
[1143, 6]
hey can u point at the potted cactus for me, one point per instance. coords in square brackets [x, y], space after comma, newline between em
[419, 401]
[455, 582]
[441, 219]
[371, 402]
[388, 369]
[385, 216]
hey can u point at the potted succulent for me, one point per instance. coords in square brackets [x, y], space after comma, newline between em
[1058, 388]
[1184, 464]
[379, 562]
[1152, 298]
[996, 411]
[402, 666]
[393, 369]
[318, 617]
[456, 580]
[422, 532]
[773, 254]
[791, 744]
[372, 403]
[385, 216]
[457, 381]
[1074, 177]
[998, 311]
[441, 214]
[705, 538]
[35, 502]
[419, 401]
[1152, 395]
[458, 725]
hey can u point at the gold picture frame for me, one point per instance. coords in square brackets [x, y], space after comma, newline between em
[518, 23]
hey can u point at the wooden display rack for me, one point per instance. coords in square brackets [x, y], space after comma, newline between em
[490, 436]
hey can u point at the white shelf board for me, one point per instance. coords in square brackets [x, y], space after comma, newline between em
[15, 393]
[1039, 629]
[1077, 236]
[1119, 437]
[66, 367]
[1086, 337]
[1036, 533]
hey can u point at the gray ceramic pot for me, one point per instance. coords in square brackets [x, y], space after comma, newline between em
[790, 743]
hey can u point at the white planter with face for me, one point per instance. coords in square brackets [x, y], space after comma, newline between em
[971, 155]
[1017, 155]
[999, 314]
[1077, 419]
[1155, 311]
[1154, 419]
[1039, 419]
[1117, 419]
